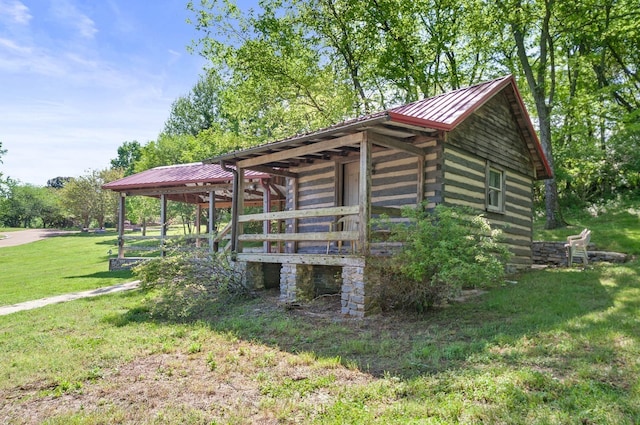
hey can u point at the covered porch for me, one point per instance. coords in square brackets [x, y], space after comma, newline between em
[207, 187]
[338, 181]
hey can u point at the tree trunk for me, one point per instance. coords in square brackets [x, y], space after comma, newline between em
[542, 85]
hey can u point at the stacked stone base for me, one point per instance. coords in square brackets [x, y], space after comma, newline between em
[555, 254]
[297, 284]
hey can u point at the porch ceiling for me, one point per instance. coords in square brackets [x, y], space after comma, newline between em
[279, 157]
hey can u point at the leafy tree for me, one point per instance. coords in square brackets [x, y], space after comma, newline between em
[185, 148]
[141, 209]
[128, 154]
[2, 153]
[297, 65]
[30, 206]
[85, 199]
[57, 182]
[197, 111]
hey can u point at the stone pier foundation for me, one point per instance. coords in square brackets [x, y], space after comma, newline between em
[299, 282]
[353, 291]
[296, 283]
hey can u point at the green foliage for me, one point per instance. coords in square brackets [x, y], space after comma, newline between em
[31, 206]
[85, 200]
[198, 111]
[443, 251]
[128, 154]
[286, 67]
[188, 283]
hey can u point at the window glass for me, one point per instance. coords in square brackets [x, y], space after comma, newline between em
[495, 196]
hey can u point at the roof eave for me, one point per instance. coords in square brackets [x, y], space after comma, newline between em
[232, 157]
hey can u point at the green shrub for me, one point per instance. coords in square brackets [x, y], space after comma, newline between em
[443, 251]
[187, 283]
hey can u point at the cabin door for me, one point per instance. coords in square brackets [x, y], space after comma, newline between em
[350, 183]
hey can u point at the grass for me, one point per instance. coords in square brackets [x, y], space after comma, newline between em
[9, 229]
[615, 226]
[556, 346]
[57, 265]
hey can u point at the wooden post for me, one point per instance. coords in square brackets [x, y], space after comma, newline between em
[292, 247]
[364, 193]
[121, 214]
[420, 182]
[266, 207]
[197, 223]
[239, 198]
[212, 220]
[163, 222]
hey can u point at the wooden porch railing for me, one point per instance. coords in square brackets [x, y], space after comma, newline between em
[328, 236]
[156, 243]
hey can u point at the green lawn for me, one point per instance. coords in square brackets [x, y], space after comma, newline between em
[56, 266]
[615, 228]
[556, 346]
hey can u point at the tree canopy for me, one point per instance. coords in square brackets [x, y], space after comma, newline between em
[298, 65]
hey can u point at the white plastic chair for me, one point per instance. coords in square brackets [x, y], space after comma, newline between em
[577, 247]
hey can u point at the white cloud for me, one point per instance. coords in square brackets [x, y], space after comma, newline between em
[14, 47]
[69, 14]
[14, 12]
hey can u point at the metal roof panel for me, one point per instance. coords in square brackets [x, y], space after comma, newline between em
[178, 175]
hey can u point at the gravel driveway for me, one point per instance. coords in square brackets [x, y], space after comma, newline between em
[30, 235]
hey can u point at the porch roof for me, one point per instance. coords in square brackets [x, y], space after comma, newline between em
[188, 183]
[430, 116]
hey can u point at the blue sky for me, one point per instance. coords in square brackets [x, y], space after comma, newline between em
[80, 77]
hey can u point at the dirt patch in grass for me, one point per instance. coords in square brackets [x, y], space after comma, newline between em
[231, 377]
[148, 389]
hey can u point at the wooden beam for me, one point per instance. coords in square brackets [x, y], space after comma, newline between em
[285, 215]
[391, 143]
[163, 223]
[273, 171]
[320, 146]
[266, 207]
[178, 189]
[309, 237]
[292, 247]
[314, 259]
[197, 224]
[390, 211]
[212, 219]
[420, 181]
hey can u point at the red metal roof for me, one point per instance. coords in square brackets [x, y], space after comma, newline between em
[178, 175]
[446, 111]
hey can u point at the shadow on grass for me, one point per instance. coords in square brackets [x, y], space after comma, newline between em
[543, 305]
[124, 274]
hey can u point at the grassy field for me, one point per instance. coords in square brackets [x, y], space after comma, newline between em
[57, 265]
[557, 346]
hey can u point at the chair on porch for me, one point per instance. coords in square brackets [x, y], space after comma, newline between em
[348, 223]
[576, 246]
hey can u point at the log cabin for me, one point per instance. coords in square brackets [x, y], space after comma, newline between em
[473, 147]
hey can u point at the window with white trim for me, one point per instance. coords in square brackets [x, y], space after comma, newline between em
[495, 189]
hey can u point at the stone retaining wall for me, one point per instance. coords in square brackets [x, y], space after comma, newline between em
[555, 254]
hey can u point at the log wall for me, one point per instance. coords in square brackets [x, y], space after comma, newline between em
[491, 136]
[394, 183]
